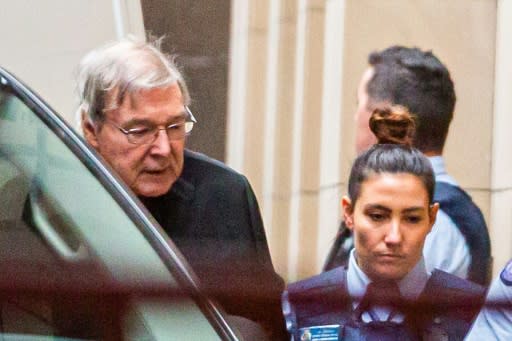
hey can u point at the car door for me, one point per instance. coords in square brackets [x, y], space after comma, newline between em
[80, 258]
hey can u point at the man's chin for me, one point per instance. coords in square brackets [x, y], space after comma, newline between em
[153, 184]
[152, 190]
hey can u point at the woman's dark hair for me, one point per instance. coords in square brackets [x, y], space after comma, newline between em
[394, 128]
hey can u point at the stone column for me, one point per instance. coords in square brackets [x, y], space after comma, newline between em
[285, 122]
[501, 194]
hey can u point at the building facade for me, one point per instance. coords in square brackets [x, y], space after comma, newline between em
[292, 69]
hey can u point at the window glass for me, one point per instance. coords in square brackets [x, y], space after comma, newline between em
[62, 194]
[66, 247]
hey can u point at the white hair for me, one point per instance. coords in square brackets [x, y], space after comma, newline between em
[121, 68]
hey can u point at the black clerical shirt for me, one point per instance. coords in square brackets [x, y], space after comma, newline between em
[212, 215]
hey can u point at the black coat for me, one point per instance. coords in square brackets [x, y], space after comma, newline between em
[212, 215]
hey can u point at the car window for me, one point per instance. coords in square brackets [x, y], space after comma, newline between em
[74, 263]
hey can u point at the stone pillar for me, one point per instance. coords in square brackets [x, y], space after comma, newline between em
[279, 196]
[285, 124]
[501, 194]
[317, 143]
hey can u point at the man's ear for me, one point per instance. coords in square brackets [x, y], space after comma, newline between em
[348, 212]
[89, 130]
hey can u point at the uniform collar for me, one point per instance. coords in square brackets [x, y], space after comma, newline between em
[439, 167]
[410, 286]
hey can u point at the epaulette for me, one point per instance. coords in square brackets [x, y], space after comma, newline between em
[506, 274]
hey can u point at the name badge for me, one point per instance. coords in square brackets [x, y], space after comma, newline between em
[320, 333]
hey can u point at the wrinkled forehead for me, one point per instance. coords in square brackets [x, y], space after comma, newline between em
[133, 98]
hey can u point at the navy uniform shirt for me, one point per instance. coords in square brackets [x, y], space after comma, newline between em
[340, 303]
[411, 286]
[445, 247]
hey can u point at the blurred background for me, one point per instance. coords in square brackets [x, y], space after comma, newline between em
[273, 86]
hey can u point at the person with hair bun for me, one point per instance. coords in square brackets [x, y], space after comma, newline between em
[385, 292]
[416, 79]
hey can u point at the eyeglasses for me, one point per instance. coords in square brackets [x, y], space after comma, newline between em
[148, 134]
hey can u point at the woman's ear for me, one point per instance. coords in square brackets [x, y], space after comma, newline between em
[432, 213]
[89, 131]
[348, 212]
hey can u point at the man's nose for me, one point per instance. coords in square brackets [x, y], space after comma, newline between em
[394, 234]
[161, 145]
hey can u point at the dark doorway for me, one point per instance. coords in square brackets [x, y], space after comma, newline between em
[197, 32]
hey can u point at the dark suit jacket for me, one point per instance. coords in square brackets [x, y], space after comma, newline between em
[212, 215]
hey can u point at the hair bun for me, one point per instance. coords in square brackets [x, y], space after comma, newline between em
[393, 125]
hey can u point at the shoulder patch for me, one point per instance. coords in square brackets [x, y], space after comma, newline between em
[506, 274]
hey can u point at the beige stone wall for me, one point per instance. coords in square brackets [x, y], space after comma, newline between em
[285, 122]
[501, 154]
[294, 68]
[43, 41]
[294, 72]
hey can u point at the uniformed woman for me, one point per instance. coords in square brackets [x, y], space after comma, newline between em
[385, 292]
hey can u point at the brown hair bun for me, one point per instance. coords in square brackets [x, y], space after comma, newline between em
[393, 125]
